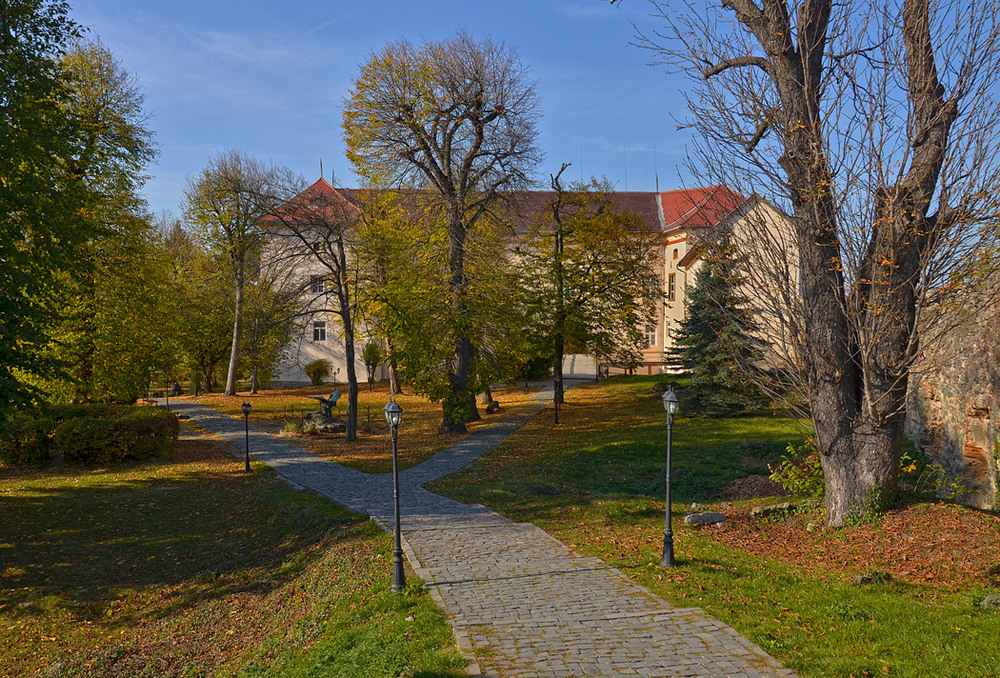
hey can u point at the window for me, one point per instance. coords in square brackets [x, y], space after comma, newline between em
[317, 284]
[653, 287]
[319, 330]
[675, 253]
[668, 333]
[651, 334]
[671, 286]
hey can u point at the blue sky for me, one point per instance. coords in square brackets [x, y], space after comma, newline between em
[268, 78]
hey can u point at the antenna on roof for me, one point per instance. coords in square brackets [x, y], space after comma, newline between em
[656, 172]
[321, 168]
[625, 155]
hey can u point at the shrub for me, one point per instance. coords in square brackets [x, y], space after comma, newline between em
[317, 370]
[800, 471]
[125, 433]
[25, 440]
[147, 432]
[84, 439]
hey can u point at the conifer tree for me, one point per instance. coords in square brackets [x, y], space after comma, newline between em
[715, 343]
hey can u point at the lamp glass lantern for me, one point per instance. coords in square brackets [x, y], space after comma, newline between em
[671, 402]
[393, 414]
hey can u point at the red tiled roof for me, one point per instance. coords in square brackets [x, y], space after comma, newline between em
[684, 208]
[320, 201]
[525, 206]
[690, 207]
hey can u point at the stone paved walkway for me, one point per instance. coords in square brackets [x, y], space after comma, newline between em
[521, 602]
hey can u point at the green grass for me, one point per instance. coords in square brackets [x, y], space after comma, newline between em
[187, 567]
[596, 482]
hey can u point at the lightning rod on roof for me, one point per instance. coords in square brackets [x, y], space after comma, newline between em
[656, 172]
[625, 155]
[321, 168]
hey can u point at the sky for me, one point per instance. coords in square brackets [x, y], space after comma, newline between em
[269, 79]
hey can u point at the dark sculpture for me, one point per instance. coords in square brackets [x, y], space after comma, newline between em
[327, 403]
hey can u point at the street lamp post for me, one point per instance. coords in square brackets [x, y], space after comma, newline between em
[393, 415]
[246, 427]
[670, 403]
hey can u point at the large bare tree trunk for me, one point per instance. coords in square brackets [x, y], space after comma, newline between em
[860, 332]
[459, 405]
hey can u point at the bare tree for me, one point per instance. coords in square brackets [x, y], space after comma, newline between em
[875, 128]
[457, 117]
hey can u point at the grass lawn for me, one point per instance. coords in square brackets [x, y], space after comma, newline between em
[187, 567]
[372, 451]
[597, 481]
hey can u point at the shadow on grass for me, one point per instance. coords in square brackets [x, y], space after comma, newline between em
[86, 541]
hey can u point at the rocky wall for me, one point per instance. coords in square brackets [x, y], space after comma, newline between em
[953, 409]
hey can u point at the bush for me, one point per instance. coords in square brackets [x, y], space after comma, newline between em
[84, 439]
[317, 370]
[25, 440]
[800, 471]
[125, 433]
[147, 432]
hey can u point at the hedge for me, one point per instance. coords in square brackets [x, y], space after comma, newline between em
[24, 440]
[138, 433]
[89, 434]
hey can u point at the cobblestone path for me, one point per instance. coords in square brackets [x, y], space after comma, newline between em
[522, 603]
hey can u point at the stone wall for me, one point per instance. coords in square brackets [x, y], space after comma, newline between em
[953, 410]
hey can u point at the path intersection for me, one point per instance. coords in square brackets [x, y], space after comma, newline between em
[522, 603]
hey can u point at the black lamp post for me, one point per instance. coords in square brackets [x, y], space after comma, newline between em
[393, 415]
[670, 403]
[166, 392]
[246, 427]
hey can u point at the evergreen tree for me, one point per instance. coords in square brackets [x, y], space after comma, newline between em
[715, 343]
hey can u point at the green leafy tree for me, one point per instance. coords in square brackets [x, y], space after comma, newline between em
[715, 342]
[457, 117]
[405, 292]
[108, 301]
[373, 356]
[41, 195]
[270, 323]
[586, 271]
[200, 315]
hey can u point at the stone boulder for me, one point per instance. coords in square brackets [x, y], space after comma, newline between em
[705, 518]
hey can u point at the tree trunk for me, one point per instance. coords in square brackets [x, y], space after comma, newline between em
[455, 407]
[395, 386]
[234, 354]
[351, 425]
[487, 397]
[254, 384]
[861, 471]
